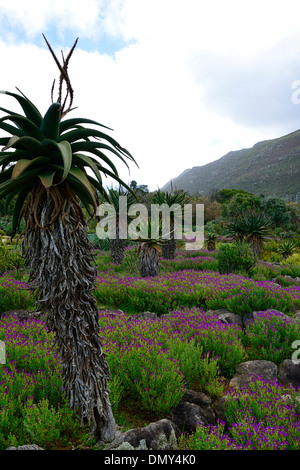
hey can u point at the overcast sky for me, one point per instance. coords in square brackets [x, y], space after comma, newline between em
[181, 82]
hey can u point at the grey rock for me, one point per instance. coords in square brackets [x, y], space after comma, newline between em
[226, 317]
[187, 416]
[289, 372]
[246, 371]
[220, 407]
[198, 398]
[144, 316]
[160, 435]
[25, 447]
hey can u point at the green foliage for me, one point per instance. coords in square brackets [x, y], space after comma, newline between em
[270, 336]
[206, 438]
[278, 212]
[287, 248]
[293, 259]
[131, 261]
[116, 392]
[98, 243]
[10, 258]
[239, 203]
[235, 258]
[153, 379]
[196, 366]
[41, 422]
[6, 222]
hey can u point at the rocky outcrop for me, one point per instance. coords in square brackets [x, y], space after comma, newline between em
[247, 371]
[160, 435]
[289, 373]
[25, 447]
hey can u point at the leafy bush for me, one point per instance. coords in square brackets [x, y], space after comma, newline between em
[195, 365]
[6, 223]
[41, 422]
[10, 258]
[14, 295]
[97, 243]
[269, 336]
[294, 259]
[151, 378]
[235, 258]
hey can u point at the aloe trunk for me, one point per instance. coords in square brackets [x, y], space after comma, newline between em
[169, 249]
[118, 244]
[150, 261]
[62, 275]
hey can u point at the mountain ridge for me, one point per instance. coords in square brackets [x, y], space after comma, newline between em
[271, 167]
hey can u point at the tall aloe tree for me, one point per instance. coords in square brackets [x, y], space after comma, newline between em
[52, 167]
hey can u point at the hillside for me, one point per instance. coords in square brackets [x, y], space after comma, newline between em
[271, 167]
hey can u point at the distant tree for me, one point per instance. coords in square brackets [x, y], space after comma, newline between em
[240, 203]
[224, 195]
[278, 212]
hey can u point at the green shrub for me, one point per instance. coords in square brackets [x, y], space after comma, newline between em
[196, 366]
[41, 422]
[14, 295]
[6, 223]
[270, 336]
[235, 258]
[153, 379]
[294, 259]
[10, 258]
[97, 243]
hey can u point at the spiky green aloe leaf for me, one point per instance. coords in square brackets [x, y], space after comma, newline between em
[16, 185]
[47, 178]
[6, 175]
[27, 127]
[68, 124]
[18, 207]
[31, 112]
[51, 122]
[30, 144]
[93, 147]
[80, 134]
[24, 164]
[87, 161]
[11, 129]
[7, 158]
[82, 178]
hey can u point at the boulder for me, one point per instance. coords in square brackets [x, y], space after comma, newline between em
[143, 316]
[246, 371]
[25, 447]
[186, 416]
[220, 407]
[289, 373]
[160, 435]
[199, 398]
[226, 317]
